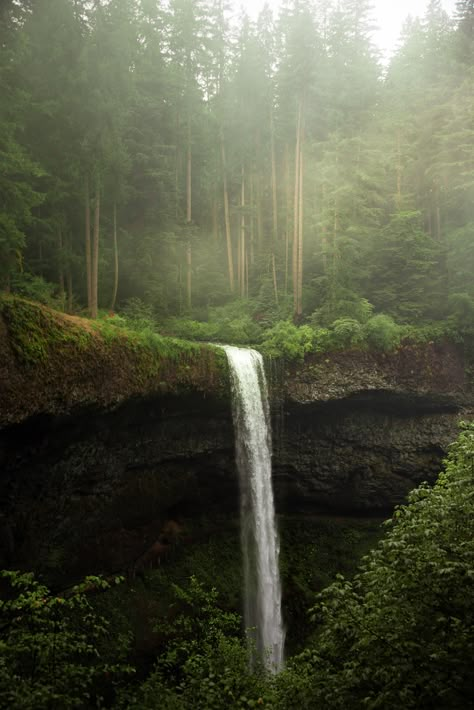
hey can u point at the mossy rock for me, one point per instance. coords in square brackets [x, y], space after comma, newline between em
[53, 363]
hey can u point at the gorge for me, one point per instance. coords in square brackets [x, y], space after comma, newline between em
[104, 471]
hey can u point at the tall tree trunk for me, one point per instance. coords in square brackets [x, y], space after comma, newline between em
[69, 291]
[180, 288]
[299, 307]
[189, 265]
[288, 214]
[399, 171]
[296, 205]
[189, 214]
[274, 183]
[252, 219]
[239, 260]
[116, 262]
[176, 169]
[275, 285]
[95, 254]
[62, 294]
[324, 238]
[69, 276]
[228, 238]
[246, 274]
[242, 259]
[258, 192]
[189, 164]
[215, 219]
[437, 215]
[87, 219]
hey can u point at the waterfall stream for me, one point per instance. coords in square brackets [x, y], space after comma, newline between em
[260, 545]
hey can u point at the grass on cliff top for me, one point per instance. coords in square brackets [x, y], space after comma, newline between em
[36, 331]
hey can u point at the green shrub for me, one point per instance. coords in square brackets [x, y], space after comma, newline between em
[430, 332]
[461, 309]
[382, 333]
[53, 648]
[222, 328]
[242, 331]
[205, 661]
[401, 634]
[36, 288]
[192, 329]
[322, 340]
[348, 306]
[137, 315]
[346, 332]
[287, 340]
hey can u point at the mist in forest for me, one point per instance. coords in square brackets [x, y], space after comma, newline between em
[183, 162]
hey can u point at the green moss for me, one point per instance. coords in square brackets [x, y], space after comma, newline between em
[35, 330]
[41, 337]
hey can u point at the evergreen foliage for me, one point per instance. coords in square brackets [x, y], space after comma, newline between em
[401, 633]
[54, 649]
[173, 153]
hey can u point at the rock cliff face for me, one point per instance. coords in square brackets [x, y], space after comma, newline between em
[358, 458]
[95, 492]
[104, 485]
[359, 430]
[434, 373]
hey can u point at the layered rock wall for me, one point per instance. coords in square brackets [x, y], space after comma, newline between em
[97, 465]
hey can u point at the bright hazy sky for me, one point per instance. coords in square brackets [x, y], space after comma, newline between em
[388, 15]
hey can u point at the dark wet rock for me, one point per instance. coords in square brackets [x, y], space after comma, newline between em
[95, 485]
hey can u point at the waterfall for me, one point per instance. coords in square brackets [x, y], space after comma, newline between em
[260, 546]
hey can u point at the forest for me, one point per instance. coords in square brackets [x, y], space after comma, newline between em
[221, 177]
[175, 171]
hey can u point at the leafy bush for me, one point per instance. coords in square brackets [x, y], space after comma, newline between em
[346, 332]
[382, 333]
[242, 331]
[264, 308]
[50, 649]
[205, 664]
[137, 315]
[347, 306]
[322, 340]
[223, 327]
[192, 329]
[461, 309]
[401, 634]
[287, 340]
[36, 288]
[430, 332]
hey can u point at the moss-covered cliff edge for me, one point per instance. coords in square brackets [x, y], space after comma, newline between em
[52, 363]
[55, 364]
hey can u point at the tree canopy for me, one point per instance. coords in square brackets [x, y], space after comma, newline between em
[170, 152]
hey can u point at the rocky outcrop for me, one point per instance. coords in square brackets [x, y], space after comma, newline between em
[355, 458]
[357, 430]
[94, 492]
[434, 373]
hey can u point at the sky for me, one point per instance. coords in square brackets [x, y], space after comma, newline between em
[388, 15]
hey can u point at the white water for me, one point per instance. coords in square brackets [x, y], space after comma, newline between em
[260, 546]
